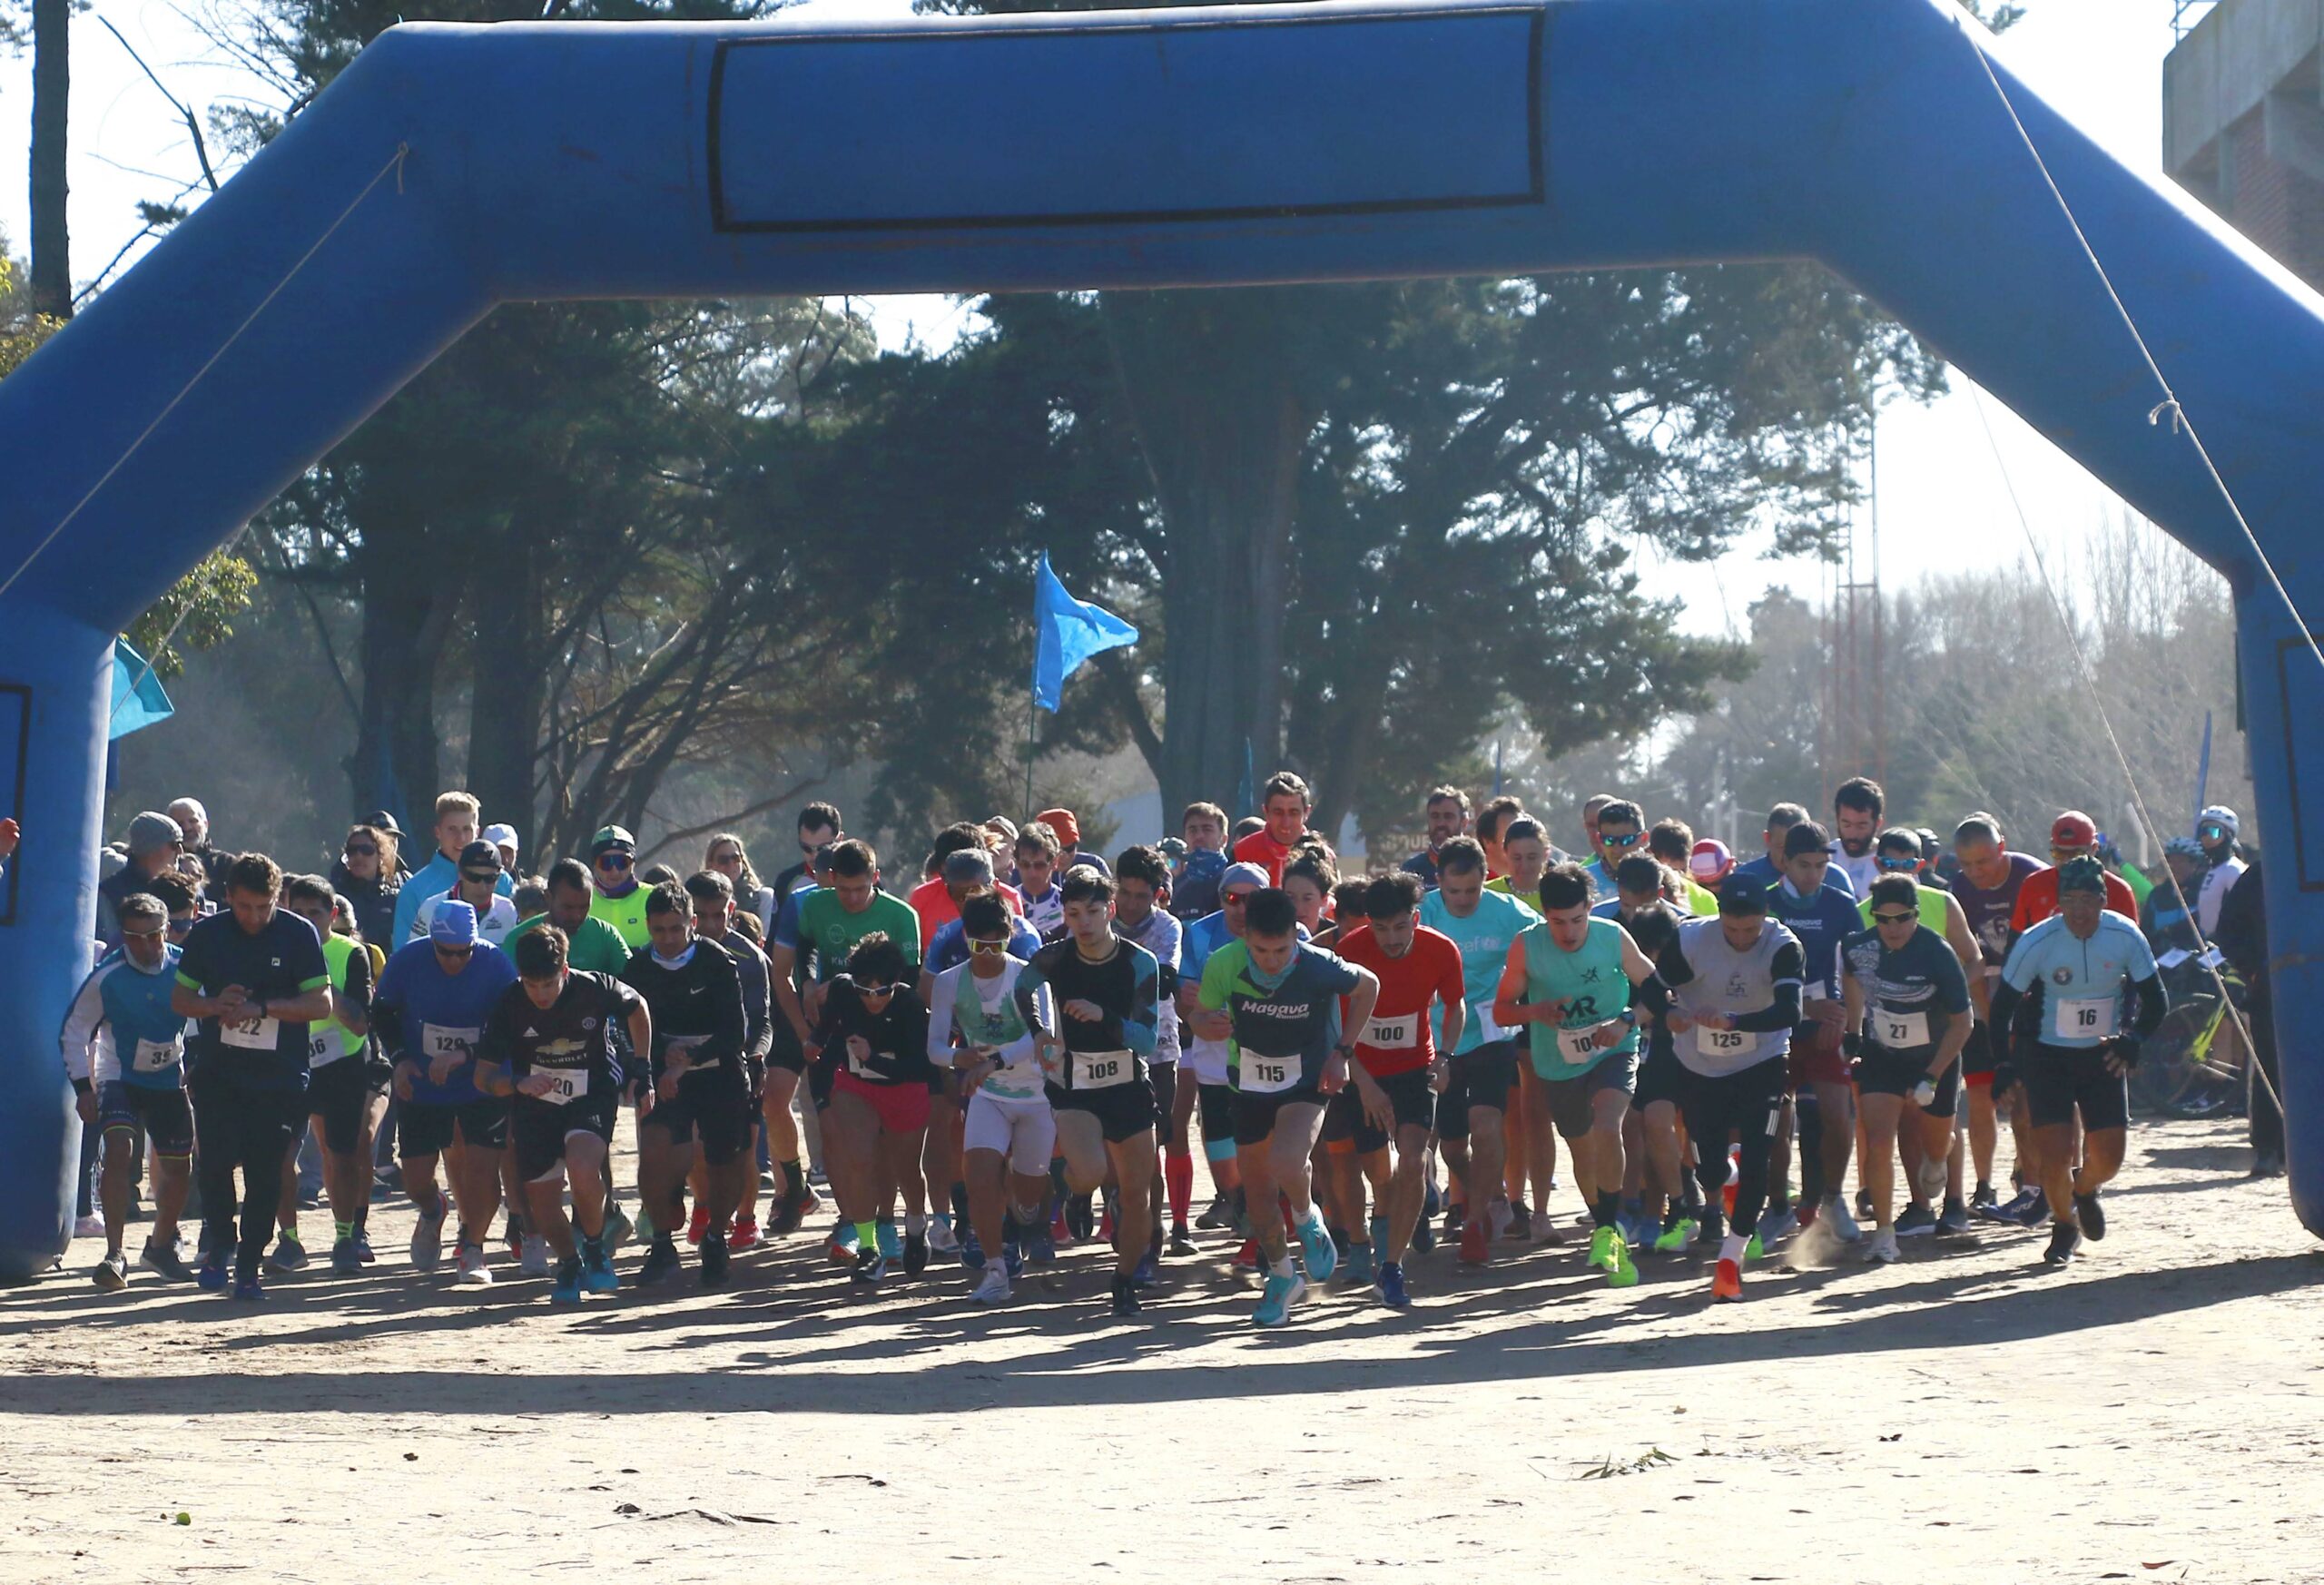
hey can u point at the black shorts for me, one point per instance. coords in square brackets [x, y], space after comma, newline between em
[1661, 1077]
[2058, 1080]
[1408, 1093]
[1880, 1071]
[1573, 1101]
[1480, 1077]
[1165, 1078]
[424, 1129]
[1978, 1059]
[1750, 1101]
[537, 1129]
[163, 1114]
[712, 1109]
[1123, 1111]
[785, 1052]
[341, 1093]
[1216, 1104]
[1254, 1113]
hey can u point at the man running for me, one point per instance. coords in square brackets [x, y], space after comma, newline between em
[1986, 886]
[715, 911]
[1447, 814]
[1097, 1041]
[457, 815]
[1735, 983]
[1856, 809]
[1908, 1016]
[1278, 1000]
[872, 1037]
[482, 886]
[1036, 853]
[619, 897]
[429, 1012]
[1284, 805]
[1652, 921]
[341, 1088]
[699, 1079]
[1766, 869]
[1398, 1067]
[2072, 835]
[549, 1047]
[125, 1052]
[1820, 917]
[256, 978]
[1142, 915]
[1622, 827]
[1569, 979]
[1010, 1132]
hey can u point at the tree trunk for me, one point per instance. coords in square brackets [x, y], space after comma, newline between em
[1223, 431]
[395, 750]
[507, 698]
[51, 263]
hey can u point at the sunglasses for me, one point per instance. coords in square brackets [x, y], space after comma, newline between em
[1898, 861]
[2211, 831]
[362, 851]
[613, 861]
[179, 927]
[1895, 919]
[442, 950]
[481, 877]
[1235, 899]
[987, 949]
[1612, 841]
[151, 935]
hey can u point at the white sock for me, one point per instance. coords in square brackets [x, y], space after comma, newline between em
[1731, 1247]
[1282, 1268]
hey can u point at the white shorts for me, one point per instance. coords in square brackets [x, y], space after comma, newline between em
[1206, 1060]
[1025, 1132]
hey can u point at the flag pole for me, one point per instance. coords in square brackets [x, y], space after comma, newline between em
[1032, 743]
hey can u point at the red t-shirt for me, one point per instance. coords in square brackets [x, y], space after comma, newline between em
[1430, 971]
[1264, 851]
[932, 900]
[2037, 899]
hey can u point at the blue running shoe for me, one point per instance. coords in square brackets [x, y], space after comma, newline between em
[972, 1251]
[247, 1289]
[1148, 1272]
[597, 1272]
[1012, 1260]
[1276, 1302]
[212, 1276]
[1356, 1269]
[1041, 1248]
[892, 1245]
[566, 1288]
[1392, 1287]
[1316, 1243]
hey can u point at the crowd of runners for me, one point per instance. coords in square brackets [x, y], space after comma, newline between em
[1013, 1045]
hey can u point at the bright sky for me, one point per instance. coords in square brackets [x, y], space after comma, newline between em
[1942, 502]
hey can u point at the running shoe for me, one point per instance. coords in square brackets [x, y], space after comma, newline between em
[661, 1263]
[1983, 1199]
[112, 1272]
[915, 1252]
[1126, 1297]
[789, 1211]
[841, 1244]
[1391, 1286]
[1637, 1229]
[164, 1258]
[1041, 1247]
[1519, 1225]
[514, 1231]
[713, 1261]
[1727, 1281]
[1675, 1238]
[1837, 1220]
[1181, 1244]
[289, 1254]
[1105, 1231]
[1474, 1248]
[343, 1262]
[1148, 1273]
[427, 1236]
[1219, 1217]
[1430, 1202]
[942, 1239]
[891, 1243]
[1955, 1222]
[2035, 1214]
[1753, 1249]
[2065, 1238]
[993, 1289]
[1880, 1249]
[1776, 1226]
[2014, 1209]
[972, 1251]
[1275, 1301]
[1424, 1234]
[212, 1276]
[870, 1267]
[1601, 1247]
[744, 1235]
[1916, 1222]
[364, 1253]
[532, 1260]
[470, 1267]
[618, 1226]
[2088, 1212]
[567, 1289]
[247, 1289]
[644, 1229]
[1543, 1230]
[1076, 1220]
[1623, 1272]
[1316, 1245]
[698, 1223]
[1357, 1269]
[597, 1271]
[1864, 1209]
[1455, 1221]
[1012, 1259]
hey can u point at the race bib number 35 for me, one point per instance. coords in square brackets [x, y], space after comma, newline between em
[1262, 1075]
[1103, 1069]
[156, 1055]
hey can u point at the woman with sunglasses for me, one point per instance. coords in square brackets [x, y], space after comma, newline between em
[365, 875]
[872, 1036]
[727, 855]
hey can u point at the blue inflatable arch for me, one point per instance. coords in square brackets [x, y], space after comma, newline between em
[453, 168]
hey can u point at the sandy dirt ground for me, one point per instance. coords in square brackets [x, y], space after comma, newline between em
[2151, 1413]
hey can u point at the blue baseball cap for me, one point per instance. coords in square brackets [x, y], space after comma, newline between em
[454, 925]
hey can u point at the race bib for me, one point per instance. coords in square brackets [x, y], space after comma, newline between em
[1392, 1034]
[155, 1057]
[1262, 1075]
[1578, 1045]
[1713, 1042]
[1899, 1031]
[566, 1084]
[861, 1067]
[443, 1040]
[322, 1042]
[250, 1034]
[2091, 1019]
[1103, 1069]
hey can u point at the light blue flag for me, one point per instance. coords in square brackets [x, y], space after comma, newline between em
[1069, 632]
[137, 698]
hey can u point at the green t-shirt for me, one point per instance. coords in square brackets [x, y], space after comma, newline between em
[596, 947]
[830, 932]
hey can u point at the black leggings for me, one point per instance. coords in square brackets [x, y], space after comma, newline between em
[237, 1123]
[1748, 1105]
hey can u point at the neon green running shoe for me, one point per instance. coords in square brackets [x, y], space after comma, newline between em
[1677, 1236]
[1755, 1250]
[1623, 1272]
[1603, 1242]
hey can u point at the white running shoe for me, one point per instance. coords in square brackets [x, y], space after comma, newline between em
[428, 1236]
[1881, 1248]
[942, 1239]
[994, 1289]
[535, 1260]
[470, 1267]
[1835, 1216]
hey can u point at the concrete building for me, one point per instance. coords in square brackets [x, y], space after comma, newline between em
[2243, 124]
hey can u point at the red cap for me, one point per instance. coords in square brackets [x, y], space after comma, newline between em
[1710, 863]
[2073, 828]
[1068, 829]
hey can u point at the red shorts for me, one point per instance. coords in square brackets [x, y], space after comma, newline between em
[902, 1108]
[1815, 1055]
